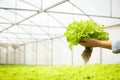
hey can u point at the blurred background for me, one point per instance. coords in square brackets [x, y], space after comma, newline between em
[32, 31]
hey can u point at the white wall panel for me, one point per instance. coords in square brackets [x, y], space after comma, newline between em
[3, 52]
[30, 54]
[44, 53]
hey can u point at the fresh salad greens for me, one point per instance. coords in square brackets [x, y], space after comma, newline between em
[88, 72]
[84, 29]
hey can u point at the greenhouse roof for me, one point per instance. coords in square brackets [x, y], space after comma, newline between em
[25, 21]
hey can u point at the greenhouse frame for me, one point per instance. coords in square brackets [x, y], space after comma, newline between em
[32, 31]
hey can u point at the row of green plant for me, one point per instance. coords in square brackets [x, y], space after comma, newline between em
[87, 72]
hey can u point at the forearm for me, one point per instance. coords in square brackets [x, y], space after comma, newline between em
[105, 44]
[96, 43]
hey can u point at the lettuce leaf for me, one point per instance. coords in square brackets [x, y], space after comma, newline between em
[84, 29]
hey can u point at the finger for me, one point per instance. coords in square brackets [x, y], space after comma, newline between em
[82, 43]
[84, 39]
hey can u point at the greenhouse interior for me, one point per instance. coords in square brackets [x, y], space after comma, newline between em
[33, 45]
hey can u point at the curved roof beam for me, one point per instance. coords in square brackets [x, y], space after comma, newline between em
[83, 14]
[116, 25]
[24, 17]
[22, 28]
[44, 39]
[5, 38]
[6, 19]
[56, 19]
[29, 4]
[18, 9]
[9, 30]
[3, 27]
[81, 10]
[47, 13]
[14, 35]
[33, 24]
[34, 15]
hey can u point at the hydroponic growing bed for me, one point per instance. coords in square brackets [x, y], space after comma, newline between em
[88, 72]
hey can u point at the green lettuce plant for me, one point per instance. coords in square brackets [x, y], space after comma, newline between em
[84, 29]
[63, 72]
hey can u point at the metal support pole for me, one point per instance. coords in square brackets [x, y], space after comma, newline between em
[7, 56]
[100, 55]
[24, 54]
[72, 63]
[110, 8]
[15, 56]
[51, 52]
[36, 53]
[0, 58]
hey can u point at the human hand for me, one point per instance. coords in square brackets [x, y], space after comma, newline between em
[89, 42]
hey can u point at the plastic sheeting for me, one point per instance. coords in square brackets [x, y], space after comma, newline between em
[56, 52]
[31, 31]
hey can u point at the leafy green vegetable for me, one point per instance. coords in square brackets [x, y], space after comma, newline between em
[84, 29]
[88, 72]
